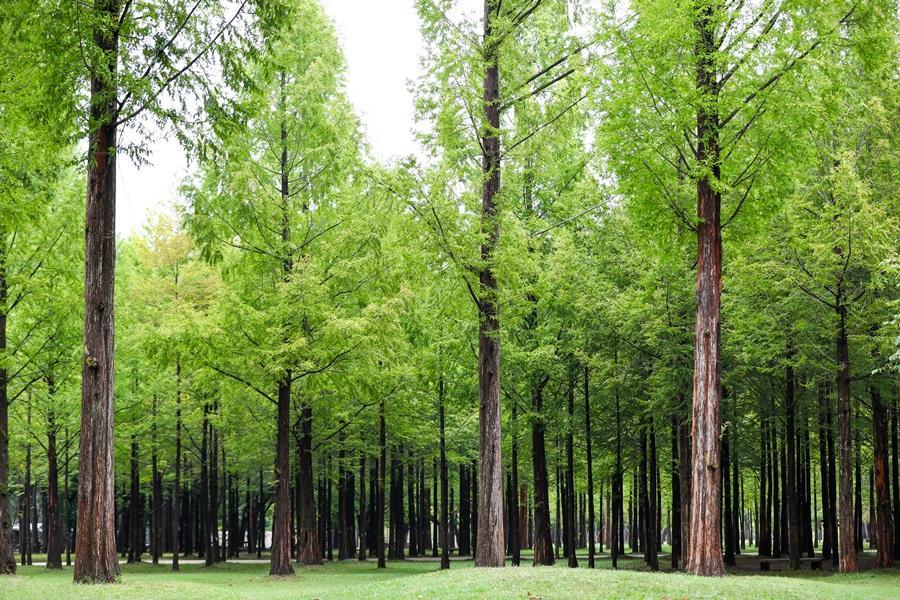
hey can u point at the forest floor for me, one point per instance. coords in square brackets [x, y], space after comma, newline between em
[421, 579]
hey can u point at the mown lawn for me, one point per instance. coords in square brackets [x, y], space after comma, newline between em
[413, 580]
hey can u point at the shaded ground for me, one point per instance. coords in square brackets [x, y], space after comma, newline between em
[421, 579]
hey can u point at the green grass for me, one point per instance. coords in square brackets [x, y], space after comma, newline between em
[412, 580]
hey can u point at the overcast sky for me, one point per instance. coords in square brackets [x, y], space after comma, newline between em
[381, 42]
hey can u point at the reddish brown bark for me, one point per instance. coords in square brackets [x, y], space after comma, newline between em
[847, 537]
[310, 552]
[95, 545]
[52, 520]
[280, 560]
[489, 548]
[704, 556]
[884, 523]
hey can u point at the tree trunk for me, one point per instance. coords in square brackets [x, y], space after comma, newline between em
[362, 508]
[310, 552]
[728, 521]
[445, 526]
[176, 515]
[95, 545]
[280, 561]
[764, 533]
[7, 558]
[847, 550]
[653, 516]
[676, 496]
[590, 469]
[135, 507]
[515, 541]
[705, 545]
[52, 520]
[570, 474]
[489, 550]
[895, 470]
[543, 544]
[156, 493]
[827, 518]
[382, 466]
[791, 492]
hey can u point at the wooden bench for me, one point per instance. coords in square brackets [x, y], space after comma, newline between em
[766, 563]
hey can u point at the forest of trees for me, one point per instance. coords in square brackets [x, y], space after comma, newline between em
[639, 290]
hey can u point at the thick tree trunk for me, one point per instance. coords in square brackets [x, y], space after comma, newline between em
[95, 545]
[310, 546]
[847, 548]
[489, 550]
[543, 544]
[280, 560]
[704, 555]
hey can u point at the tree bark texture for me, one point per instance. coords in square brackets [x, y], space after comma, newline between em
[95, 544]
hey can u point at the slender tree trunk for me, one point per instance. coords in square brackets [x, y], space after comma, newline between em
[52, 516]
[764, 534]
[176, 514]
[543, 544]
[791, 492]
[895, 469]
[156, 493]
[617, 500]
[489, 550]
[570, 473]
[847, 549]
[67, 503]
[704, 555]
[445, 525]
[135, 507]
[654, 517]
[515, 541]
[362, 508]
[95, 545]
[676, 497]
[382, 466]
[728, 521]
[7, 558]
[832, 486]
[590, 469]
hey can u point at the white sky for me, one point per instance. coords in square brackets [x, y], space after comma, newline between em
[381, 43]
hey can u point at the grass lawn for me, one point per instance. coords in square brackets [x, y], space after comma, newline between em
[412, 580]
